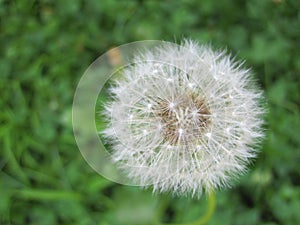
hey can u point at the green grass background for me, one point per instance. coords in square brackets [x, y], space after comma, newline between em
[45, 46]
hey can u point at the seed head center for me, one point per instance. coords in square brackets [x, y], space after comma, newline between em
[184, 120]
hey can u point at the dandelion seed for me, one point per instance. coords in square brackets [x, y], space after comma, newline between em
[195, 127]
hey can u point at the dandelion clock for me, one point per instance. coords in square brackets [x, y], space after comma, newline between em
[181, 118]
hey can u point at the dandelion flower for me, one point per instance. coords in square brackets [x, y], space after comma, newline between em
[184, 118]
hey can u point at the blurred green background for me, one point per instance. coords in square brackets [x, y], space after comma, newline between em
[45, 46]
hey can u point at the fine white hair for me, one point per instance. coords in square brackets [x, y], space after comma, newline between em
[185, 119]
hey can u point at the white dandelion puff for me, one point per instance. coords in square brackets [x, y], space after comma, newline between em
[184, 119]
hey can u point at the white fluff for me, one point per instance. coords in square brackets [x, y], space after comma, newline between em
[184, 119]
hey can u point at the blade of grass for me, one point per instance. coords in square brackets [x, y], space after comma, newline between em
[12, 161]
[45, 194]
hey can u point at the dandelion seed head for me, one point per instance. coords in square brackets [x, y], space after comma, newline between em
[194, 119]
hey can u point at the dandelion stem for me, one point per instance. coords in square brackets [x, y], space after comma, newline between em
[209, 211]
[208, 214]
